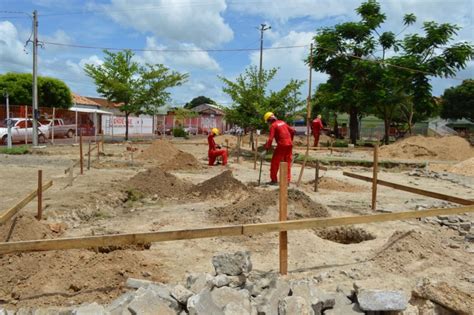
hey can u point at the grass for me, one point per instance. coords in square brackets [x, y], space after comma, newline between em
[22, 149]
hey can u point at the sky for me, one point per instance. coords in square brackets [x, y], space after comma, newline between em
[184, 26]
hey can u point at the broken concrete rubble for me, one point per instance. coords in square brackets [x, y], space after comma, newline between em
[378, 300]
[232, 264]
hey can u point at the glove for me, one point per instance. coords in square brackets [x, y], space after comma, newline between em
[219, 147]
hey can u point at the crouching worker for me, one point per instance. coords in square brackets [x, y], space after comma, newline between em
[214, 150]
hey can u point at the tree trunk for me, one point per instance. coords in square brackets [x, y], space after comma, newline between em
[336, 127]
[126, 125]
[410, 119]
[252, 140]
[387, 131]
[353, 124]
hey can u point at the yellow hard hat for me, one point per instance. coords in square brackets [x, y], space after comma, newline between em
[267, 116]
[215, 131]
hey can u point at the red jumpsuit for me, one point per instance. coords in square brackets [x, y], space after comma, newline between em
[283, 135]
[213, 152]
[316, 126]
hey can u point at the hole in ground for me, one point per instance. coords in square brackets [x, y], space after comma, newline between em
[345, 235]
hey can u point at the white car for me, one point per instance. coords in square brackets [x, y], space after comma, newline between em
[20, 127]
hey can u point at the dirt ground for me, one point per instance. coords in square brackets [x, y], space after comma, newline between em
[122, 193]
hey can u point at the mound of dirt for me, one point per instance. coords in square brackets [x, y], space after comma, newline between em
[465, 167]
[218, 186]
[405, 249]
[345, 235]
[181, 161]
[160, 150]
[26, 228]
[336, 185]
[255, 208]
[59, 277]
[155, 181]
[430, 148]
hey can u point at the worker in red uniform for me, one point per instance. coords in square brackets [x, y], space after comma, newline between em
[317, 126]
[283, 135]
[214, 150]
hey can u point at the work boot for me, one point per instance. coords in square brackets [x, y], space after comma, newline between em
[272, 183]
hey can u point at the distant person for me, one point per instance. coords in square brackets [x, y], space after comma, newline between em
[283, 135]
[316, 127]
[215, 150]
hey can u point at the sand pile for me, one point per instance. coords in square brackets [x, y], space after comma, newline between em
[336, 185]
[465, 167]
[155, 181]
[26, 228]
[406, 250]
[262, 206]
[58, 277]
[429, 148]
[168, 156]
[218, 186]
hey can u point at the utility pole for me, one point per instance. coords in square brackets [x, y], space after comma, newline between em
[9, 122]
[263, 28]
[35, 78]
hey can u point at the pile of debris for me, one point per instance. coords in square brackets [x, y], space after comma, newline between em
[459, 223]
[234, 288]
[254, 209]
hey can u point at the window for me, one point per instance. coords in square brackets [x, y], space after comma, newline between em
[21, 124]
[29, 124]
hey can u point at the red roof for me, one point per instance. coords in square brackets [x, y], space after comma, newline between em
[103, 102]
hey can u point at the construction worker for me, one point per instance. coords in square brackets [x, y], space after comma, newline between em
[283, 135]
[316, 127]
[214, 150]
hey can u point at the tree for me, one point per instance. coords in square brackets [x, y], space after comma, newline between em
[362, 81]
[199, 101]
[251, 101]
[458, 102]
[51, 92]
[140, 89]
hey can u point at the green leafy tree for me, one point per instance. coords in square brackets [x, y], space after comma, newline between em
[199, 101]
[51, 92]
[361, 81]
[251, 99]
[458, 102]
[140, 89]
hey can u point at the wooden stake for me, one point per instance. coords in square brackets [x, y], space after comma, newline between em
[71, 175]
[316, 176]
[39, 195]
[81, 156]
[255, 153]
[98, 150]
[102, 141]
[227, 146]
[283, 217]
[239, 140]
[374, 177]
[89, 157]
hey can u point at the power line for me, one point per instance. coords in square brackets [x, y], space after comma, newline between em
[170, 49]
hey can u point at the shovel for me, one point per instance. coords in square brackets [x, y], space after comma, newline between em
[260, 172]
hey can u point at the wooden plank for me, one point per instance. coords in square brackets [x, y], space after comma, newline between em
[249, 229]
[283, 207]
[117, 240]
[8, 214]
[413, 190]
[375, 168]
[232, 230]
[39, 195]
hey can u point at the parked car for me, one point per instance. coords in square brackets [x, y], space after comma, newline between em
[22, 126]
[191, 130]
[300, 127]
[60, 128]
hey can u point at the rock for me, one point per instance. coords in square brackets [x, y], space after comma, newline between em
[137, 283]
[316, 299]
[293, 305]
[149, 303]
[220, 281]
[49, 311]
[24, 311]
[196, 282]
[232, 264]
[453, 219]
[163, 292]
[181, 294]
[379, 300]
[344, 309]
[443, 217]
[410, 310]
[466, 226]
[268, 301]
[235, 309]
[202, 304]
[119, 305]
[257, 282]
[237, 281]
[469, 237]
[89, 309]
[225, 295]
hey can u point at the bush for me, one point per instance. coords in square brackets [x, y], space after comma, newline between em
[179, 132]
[340, 144]
[22, 149]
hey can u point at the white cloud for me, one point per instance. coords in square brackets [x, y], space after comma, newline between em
[179, 20]
[13, 57]
[179, 60]
[289, 61]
